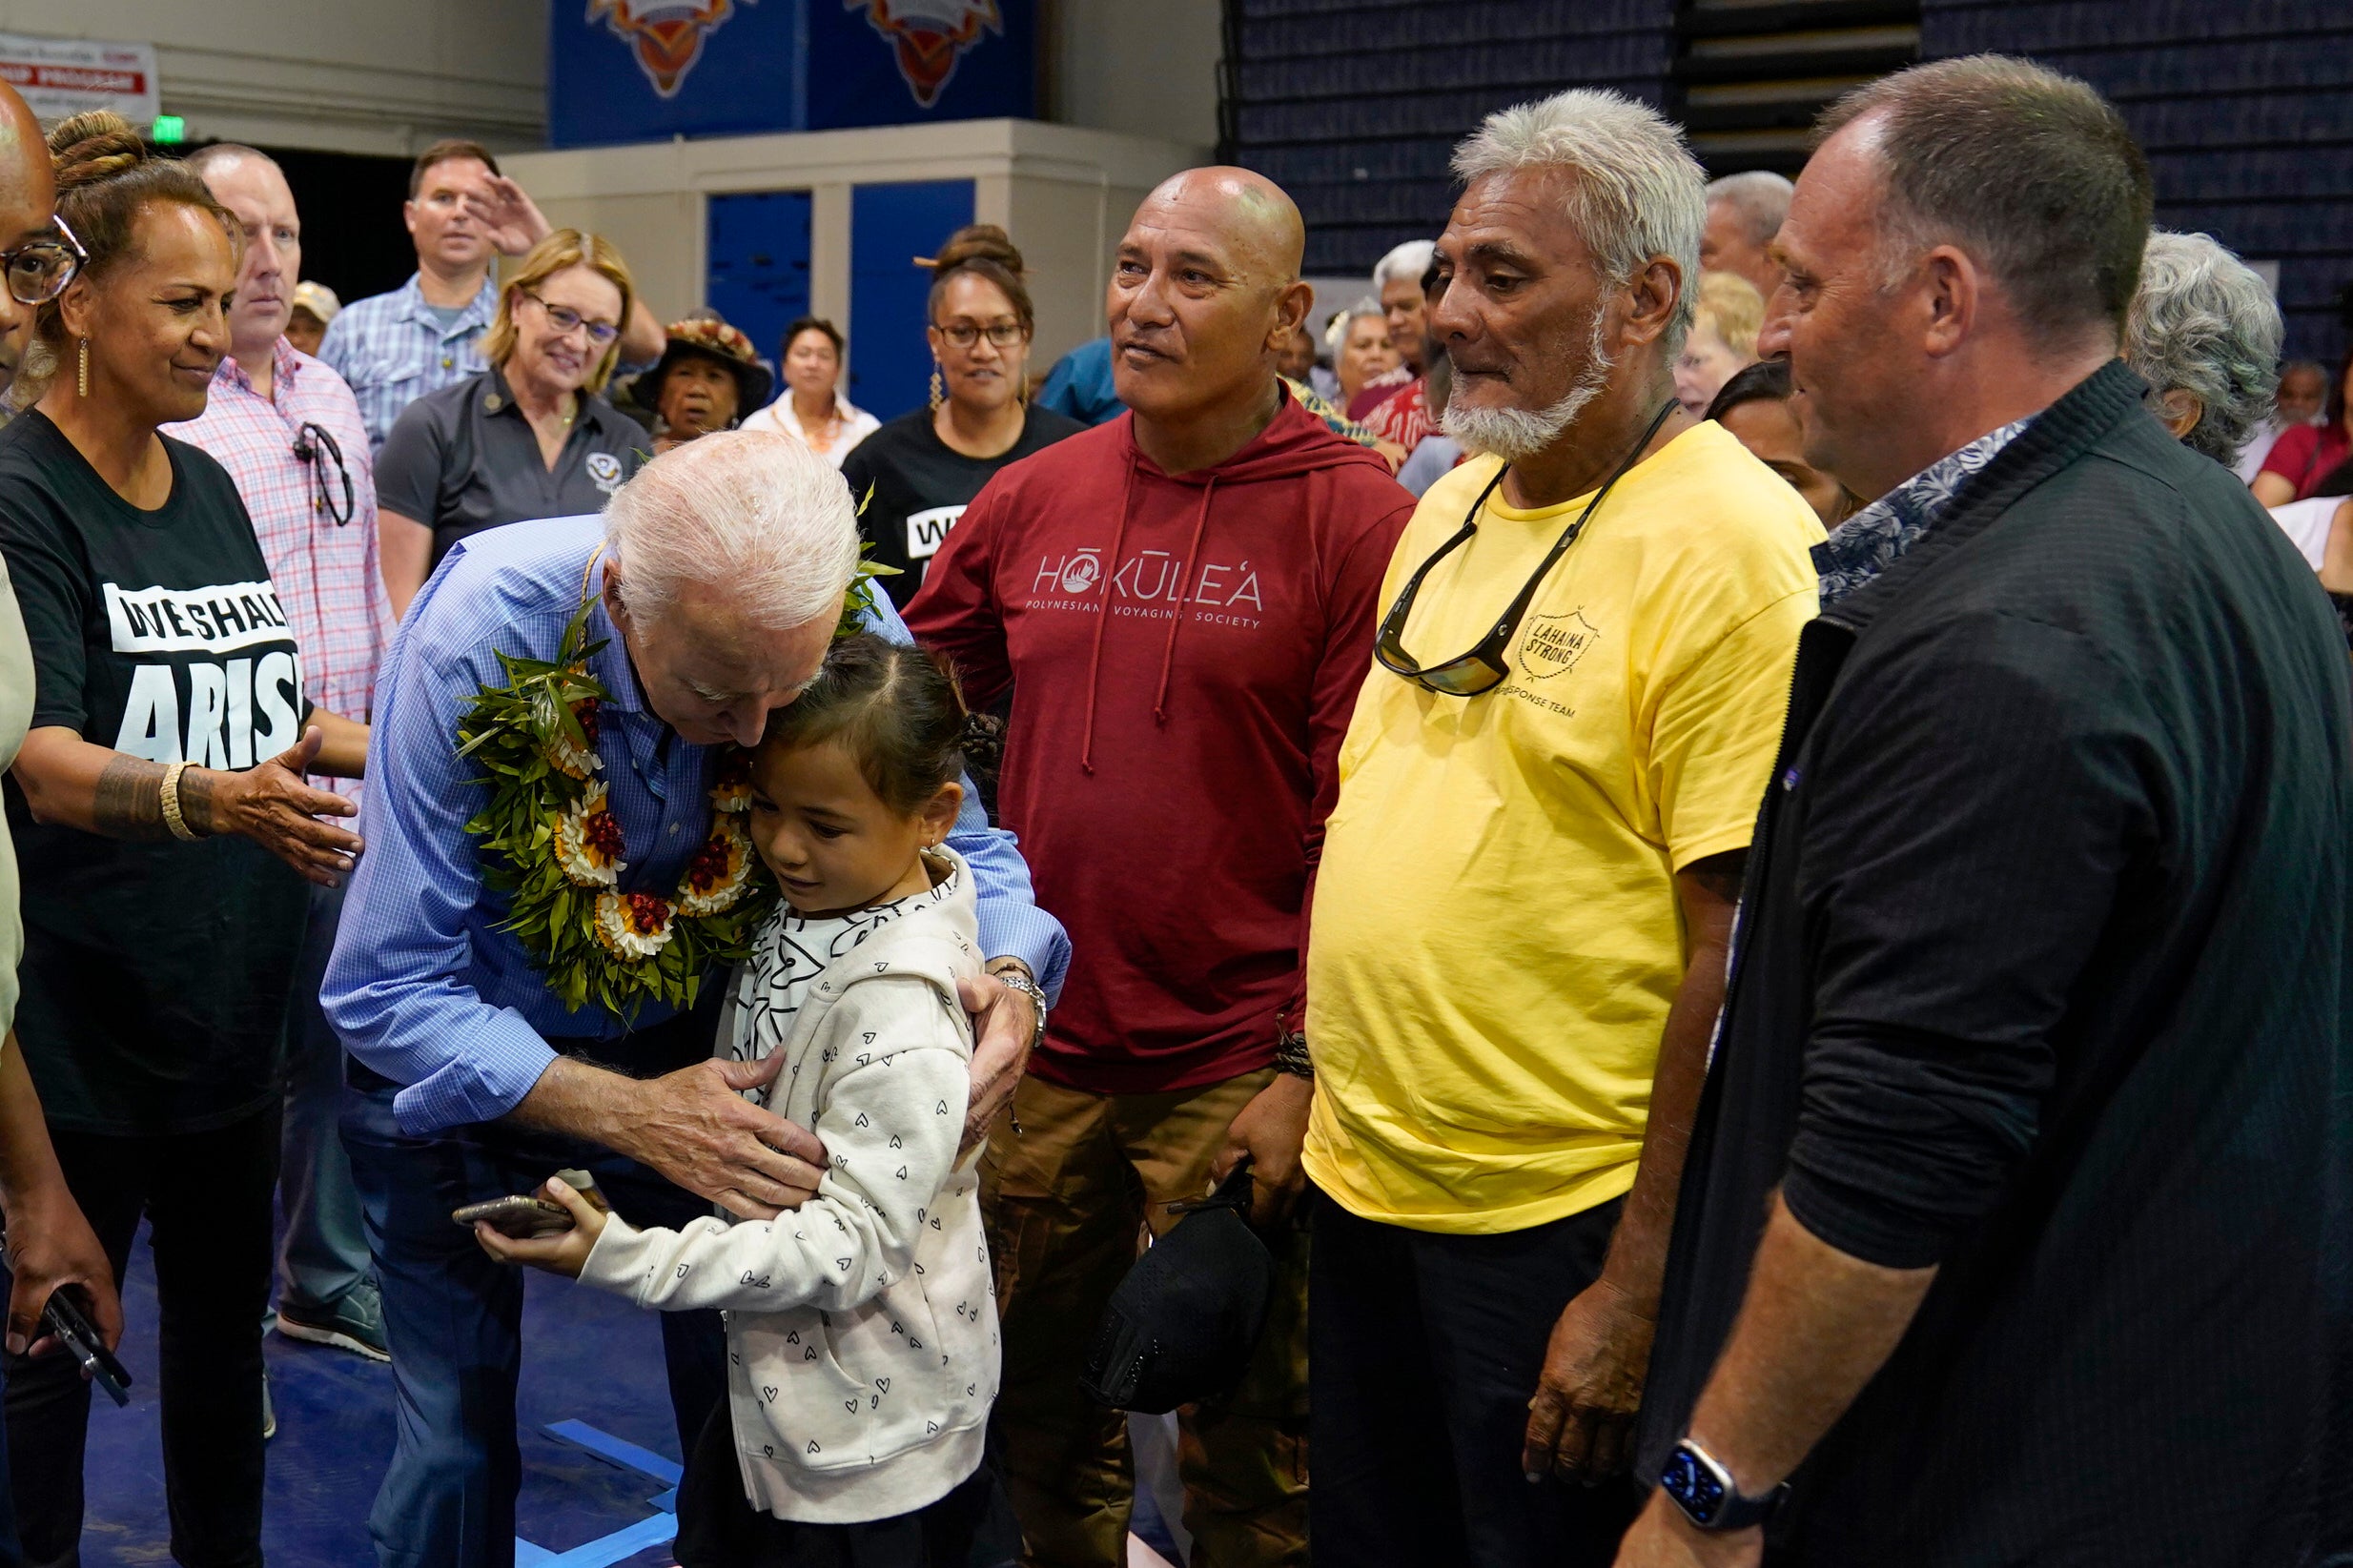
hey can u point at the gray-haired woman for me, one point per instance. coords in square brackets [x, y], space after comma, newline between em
[2204, 333]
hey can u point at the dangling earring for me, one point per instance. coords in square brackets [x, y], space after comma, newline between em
[939, 388]
[81, 371]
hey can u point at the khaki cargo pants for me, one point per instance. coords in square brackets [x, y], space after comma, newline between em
[1067, 1199]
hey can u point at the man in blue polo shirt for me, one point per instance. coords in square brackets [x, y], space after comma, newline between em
[714, 579]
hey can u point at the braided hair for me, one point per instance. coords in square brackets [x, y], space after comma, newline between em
[106, 178]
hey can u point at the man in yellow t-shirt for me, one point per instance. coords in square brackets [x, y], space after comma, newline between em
[1518, 934]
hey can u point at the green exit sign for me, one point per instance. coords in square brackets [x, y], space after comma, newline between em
[169, 128]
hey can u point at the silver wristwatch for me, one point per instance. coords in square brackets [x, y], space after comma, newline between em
[1016, 980]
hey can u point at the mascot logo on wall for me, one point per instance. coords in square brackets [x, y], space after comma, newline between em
[930, 37]
[666, 36]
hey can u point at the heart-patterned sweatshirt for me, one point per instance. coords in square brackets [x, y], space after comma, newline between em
[861, 1331]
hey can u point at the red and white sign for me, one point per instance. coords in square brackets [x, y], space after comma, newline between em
[62, 76]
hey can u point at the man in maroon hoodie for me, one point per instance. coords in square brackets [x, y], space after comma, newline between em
[1182, 603]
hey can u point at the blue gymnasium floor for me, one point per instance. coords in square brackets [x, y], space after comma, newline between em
[590, 1359]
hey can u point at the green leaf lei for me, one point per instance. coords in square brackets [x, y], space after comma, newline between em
[549, 842]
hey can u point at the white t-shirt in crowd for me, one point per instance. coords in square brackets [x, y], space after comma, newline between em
[2306, 524]
[856, 425]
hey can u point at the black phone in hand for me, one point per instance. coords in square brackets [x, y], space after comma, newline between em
[63, 1318]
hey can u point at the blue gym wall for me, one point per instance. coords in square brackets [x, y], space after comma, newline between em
[1354, 105]
[890, 226]
[757, 245]
[2245, 109]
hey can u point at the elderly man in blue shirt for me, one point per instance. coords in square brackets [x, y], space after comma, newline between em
[719, 573]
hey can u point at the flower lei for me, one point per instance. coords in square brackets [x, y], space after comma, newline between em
[551, 843]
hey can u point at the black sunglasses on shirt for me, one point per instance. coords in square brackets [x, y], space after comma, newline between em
[316, 449]
[1483, 668]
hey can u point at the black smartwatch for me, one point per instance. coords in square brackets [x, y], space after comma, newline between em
[1704, 1490]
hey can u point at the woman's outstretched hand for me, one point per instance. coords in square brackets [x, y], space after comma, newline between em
[271, 804]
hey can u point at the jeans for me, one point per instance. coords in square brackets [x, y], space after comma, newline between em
[1423, 1351]
[1067, 1199]
[325, 1252]
[206, 1197]
[454, 1319]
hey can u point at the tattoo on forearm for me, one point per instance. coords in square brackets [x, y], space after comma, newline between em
[197, 787]
[130, 800]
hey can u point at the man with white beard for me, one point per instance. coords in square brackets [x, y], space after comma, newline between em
[1519, 938]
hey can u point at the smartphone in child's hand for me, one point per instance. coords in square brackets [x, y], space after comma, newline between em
[527, 1215]
[521, 1216]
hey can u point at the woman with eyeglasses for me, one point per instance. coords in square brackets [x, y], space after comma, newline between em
[162, 824]
[925, 467]
[531, 437]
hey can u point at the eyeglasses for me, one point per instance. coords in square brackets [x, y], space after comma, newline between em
[1483, 669]
[316, 449]
[564, 318]
[38, 272]
[964, 334]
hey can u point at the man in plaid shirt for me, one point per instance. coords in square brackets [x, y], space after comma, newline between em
[394, 347]
[288, 430]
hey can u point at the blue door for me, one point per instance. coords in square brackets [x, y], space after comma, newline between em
[890, 226]
[758, 275]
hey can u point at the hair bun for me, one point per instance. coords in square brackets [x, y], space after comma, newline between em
[976, 242]
[93, 146]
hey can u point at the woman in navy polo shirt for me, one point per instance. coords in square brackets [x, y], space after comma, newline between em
[531, 437]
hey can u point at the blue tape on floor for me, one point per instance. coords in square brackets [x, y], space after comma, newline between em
[631, 1539]
[604, 1445]
[606, 1550]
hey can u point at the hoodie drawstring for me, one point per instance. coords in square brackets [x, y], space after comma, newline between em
[1184, 592]
[1095, 656]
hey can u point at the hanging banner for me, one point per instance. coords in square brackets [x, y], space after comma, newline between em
[59, 78]
[622, 71]
[890, 62]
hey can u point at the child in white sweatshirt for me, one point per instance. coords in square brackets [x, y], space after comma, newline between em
[862, 1329]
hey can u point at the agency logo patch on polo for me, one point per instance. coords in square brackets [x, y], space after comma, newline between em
[1551, 644]
[605, 471]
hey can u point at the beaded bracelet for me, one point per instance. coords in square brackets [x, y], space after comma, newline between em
[172, 818]
[1290, 1057]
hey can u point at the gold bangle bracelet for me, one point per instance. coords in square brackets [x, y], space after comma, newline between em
[172, 818]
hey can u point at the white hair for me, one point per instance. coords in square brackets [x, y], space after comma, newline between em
[1638, 194]
[1336, 330]
[753, 514]
[2203, 322]
[1760, 196]
[1408, 261]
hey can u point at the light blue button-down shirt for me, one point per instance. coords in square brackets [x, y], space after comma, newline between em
[392, 350]
[422, 987]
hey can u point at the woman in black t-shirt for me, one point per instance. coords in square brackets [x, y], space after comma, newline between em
[924, 468]
[163, 825]
[531, 437]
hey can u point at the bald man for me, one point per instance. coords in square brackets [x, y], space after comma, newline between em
[1182, 603]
